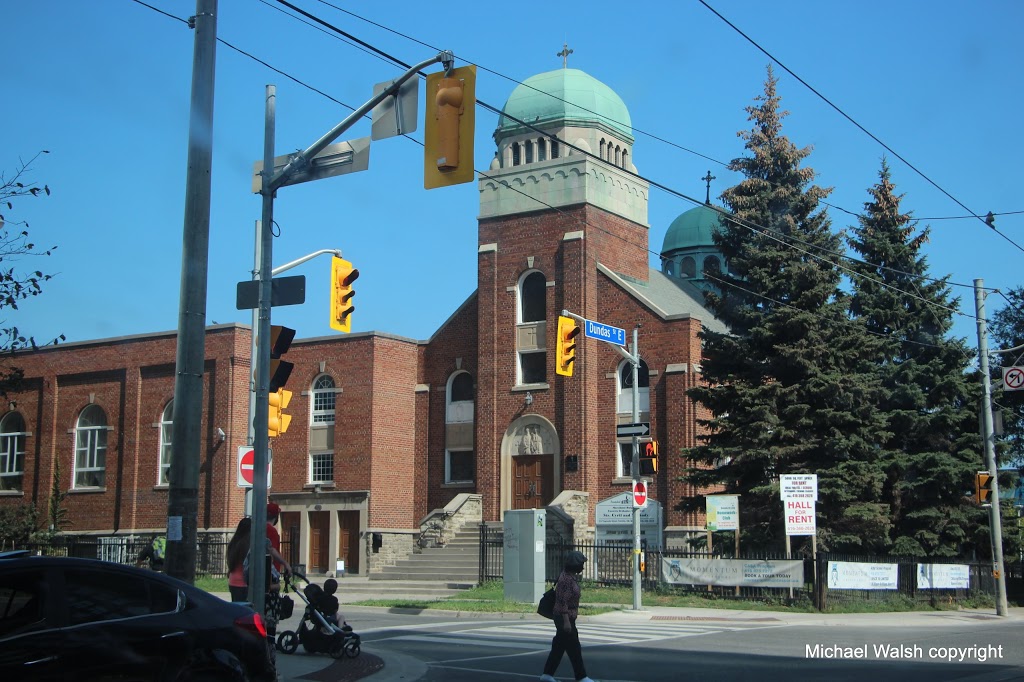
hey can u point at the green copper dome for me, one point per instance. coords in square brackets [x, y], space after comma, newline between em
[567, 96]
[691, 230]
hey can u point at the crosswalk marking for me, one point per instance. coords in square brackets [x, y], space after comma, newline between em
[538, 635]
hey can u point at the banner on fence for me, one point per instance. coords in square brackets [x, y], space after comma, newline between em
[853, 575]
[733, 572]
[723, 512]
[943, 576]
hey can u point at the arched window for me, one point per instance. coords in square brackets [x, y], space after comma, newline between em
[529, 151]
[460, 398]
[670, 267]
[532, 298]
[618, 155]
[91, 448]
[516, 158]
[626, 388]
[554, 149]
[12, 451]
[323, 397]
[459, 456]
[625, 159]
[166, 434]
[688, 268]
[542, 149]
[601, 154]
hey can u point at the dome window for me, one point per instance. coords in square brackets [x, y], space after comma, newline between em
[688, 268]
[529, 151]
[712, 266]
[554, 149]
[516, 158]
[542, 150]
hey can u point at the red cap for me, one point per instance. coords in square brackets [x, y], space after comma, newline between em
[273, 510]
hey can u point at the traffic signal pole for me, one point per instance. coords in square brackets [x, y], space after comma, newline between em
[994, 516]
[270, 183]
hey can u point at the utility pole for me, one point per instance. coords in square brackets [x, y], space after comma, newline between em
[994, 518]
[186, 439]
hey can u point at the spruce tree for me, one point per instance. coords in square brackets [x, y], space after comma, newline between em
[928, 400]
[789, 388]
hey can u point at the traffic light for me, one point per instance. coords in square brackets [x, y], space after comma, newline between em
[280, 341]
[277, 420]
[565, 348]
[342, 307]
[983, 487]
[649, 458]
[448, 128]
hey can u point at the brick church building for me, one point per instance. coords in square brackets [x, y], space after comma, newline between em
[435, 433]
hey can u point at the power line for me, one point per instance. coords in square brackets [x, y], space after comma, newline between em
[858, 125]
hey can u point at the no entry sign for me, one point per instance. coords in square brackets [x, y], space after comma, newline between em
[246, 462]
[639, 495]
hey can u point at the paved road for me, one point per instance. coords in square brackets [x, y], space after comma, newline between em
[673, 646]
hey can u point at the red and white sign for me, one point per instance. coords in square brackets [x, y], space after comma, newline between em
[1013, 378]
[246, 460]
[800, 518]
[639, 495]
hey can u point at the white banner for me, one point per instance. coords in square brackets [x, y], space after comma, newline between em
[852, 575]
[730, 572]
[723, 512]
[799, 513]
[943, 577]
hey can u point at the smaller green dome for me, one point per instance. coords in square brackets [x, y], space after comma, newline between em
[692, 229]
[564, 96]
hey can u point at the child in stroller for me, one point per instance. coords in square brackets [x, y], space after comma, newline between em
[319, 631]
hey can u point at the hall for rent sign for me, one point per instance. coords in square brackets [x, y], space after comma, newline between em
[799, 514]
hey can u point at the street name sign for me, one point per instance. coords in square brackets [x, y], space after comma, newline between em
[283, 291]
[604, 332]
[397, 114]
[336, 159]
[638, 429]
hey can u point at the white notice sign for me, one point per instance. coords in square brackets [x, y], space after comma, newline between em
[853, 575]
[943, 577]
[799, 515]
[798, 486]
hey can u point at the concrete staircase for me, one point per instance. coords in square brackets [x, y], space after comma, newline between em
[457, 564]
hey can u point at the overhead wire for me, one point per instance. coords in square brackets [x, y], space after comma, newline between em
[752, 226]
[867, 132]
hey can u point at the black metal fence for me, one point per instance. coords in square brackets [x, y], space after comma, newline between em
[612, 564]
[124, 549]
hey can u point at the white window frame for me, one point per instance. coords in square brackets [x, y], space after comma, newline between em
[313, 478]
[322, 415]
[90, 441]
[12, 452]
[166, 437]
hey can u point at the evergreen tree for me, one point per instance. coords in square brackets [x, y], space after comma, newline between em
[928, 401]
[788, 390]
[1007, 330]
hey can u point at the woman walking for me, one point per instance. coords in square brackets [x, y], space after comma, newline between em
[238, 548]
[567, 604]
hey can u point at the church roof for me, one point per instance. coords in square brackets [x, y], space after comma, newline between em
[669, 298]
[564, 97]
[692, 229]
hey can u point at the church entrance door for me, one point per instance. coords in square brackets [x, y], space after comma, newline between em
[532, 481]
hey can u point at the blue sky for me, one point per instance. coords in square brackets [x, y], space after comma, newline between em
[105, 86]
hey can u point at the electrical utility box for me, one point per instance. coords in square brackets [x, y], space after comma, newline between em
[524, 554]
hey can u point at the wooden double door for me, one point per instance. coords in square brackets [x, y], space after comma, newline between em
[533, 481]
[320, 560]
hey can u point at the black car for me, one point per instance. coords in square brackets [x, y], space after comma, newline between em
[83, 619]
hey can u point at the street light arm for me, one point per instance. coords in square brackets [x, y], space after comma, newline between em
[288, 266]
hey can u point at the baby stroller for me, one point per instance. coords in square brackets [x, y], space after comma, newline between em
[317, 631]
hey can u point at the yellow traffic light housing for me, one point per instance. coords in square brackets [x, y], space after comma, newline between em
[649, 458]
[565, 346]
[277, 420]
[342, 293]
[448, 128]
[983, 487]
